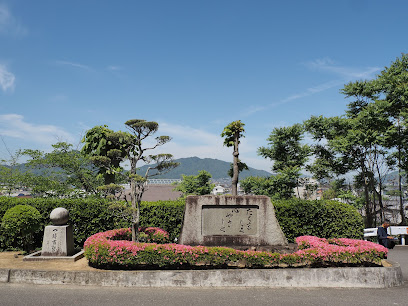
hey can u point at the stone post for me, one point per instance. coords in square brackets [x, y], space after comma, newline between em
[58, 238]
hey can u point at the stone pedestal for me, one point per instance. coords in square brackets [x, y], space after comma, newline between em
[241, 222]
[58, 241]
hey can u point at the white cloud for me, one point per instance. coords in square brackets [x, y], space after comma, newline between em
[193, 135]
[9, 25]
[311, 90]
[307, 92]
[347, 73]
[14, 126]
[7, 79]
[73, 64]
[188, 141]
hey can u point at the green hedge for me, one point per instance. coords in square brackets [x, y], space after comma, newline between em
[167, 215]
[90, 216]
[325, 219]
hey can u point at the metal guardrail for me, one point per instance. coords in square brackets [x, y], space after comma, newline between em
[392, 231]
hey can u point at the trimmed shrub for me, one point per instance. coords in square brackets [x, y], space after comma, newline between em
[18, 226]
[104, 250]
[326, 219]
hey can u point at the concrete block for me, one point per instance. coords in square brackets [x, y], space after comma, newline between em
[4, 275]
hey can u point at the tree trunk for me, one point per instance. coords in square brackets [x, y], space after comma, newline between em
[234, 180]
[135, 219]
[401, 208]
[369, 217]
[380, 199]
[374, 208]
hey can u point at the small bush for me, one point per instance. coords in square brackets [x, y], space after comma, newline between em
[18, 225]
[104, 250]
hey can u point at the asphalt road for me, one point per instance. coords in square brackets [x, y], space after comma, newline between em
[33, 295]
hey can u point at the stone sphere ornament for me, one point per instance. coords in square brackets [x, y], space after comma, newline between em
[59, 216]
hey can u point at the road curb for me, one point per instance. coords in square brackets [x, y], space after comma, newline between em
[363, 277]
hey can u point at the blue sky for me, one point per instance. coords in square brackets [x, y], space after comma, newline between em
[192, 66]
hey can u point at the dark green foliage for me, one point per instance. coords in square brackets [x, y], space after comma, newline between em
[18, 225]
[199, 184]
[90, 216]
[106, 149]
[325, 219]
[280, 186]
[167, 215]
[285, 148]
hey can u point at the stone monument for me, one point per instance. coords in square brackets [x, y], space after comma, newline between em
[58, 241]
[240, 222]
[58, 238]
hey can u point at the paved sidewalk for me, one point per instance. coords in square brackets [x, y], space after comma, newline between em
[400, 255]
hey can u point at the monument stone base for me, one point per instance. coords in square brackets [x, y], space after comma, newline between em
[58, 241]
[240, 222]
[38, 257]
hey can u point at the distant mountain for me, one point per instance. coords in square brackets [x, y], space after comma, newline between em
[217, 168]
[188, 166]
[392, 178]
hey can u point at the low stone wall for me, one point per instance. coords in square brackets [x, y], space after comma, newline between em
[372, 277]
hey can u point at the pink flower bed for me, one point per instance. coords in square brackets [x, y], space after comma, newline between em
[112, 249]
[341, 250]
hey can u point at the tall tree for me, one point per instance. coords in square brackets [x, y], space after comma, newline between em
[232, 133]
[344, 147]
[286, 151]
[393, 82]
[370, 133]
[140, 130]
[355, 142]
